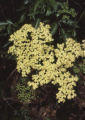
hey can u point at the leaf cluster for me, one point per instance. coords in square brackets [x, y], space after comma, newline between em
[58, 14]
[79, 67]
[25, 93]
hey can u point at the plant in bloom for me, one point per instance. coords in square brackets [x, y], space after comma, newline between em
[83, 47]
[34, 51]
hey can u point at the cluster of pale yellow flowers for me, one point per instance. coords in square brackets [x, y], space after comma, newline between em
[83, 48]
[32, 52]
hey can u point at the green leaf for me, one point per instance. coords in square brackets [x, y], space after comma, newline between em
[6, 45]
[6, 23]
[74, 33]
[37, 23]
[9, 22]
[26, 2]
[76, 69]
[22, 18]
[3, 23]
[37, 4]
[53, 4]
[54, 29]
[49, 12]
[9, 30]
[63, 33]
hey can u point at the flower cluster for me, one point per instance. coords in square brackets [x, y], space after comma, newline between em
[30, 48]
[34, 51]
[83, 47]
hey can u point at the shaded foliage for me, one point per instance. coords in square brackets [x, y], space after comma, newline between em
[65, 21]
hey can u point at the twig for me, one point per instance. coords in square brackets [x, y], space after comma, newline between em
[11, 74]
